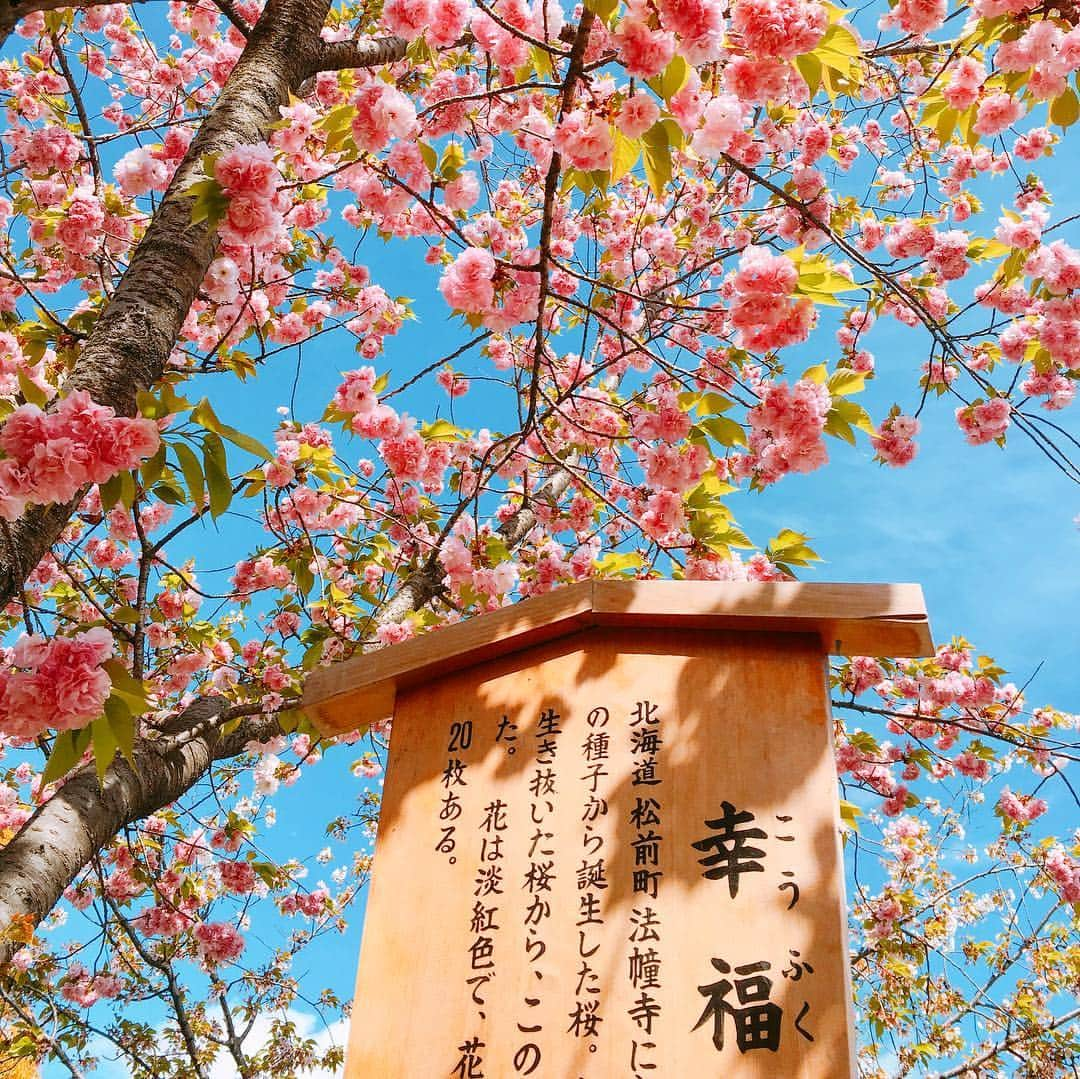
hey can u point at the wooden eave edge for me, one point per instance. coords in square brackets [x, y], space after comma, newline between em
[848, 619]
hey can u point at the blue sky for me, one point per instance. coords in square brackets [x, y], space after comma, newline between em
[988, 533]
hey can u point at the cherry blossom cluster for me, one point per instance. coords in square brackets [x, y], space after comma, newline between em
[52, 456]
[918, 697]
[895, 440]
[1065, 873]
[638, 257]
[54, 684]
[786, 431]
[249, 177]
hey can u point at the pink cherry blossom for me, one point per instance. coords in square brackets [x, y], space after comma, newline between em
[643, 51]
[996, 113]
[466, 283]
[218, 942]
[724, 117]
[894, 442]
[584, 139]
[781, 28]
[638, 113]
[248, 172]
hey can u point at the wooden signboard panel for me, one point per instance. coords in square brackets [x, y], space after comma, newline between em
[611, 854]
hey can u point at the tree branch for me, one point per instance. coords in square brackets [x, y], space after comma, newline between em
[972, 1066]
[64, 834]
[130, 345]
[12, 11]
[229, 11]
[363, 52]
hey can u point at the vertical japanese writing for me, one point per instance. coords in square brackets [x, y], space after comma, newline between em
[487, 889]
[453, 779]
[470, 1061]
[539, 876]
[731, 851]
[645, 818]
[585, 1018]
[519, 863]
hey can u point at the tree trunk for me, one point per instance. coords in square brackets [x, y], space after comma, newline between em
[131, 343]
[63, 835]
[83, 817]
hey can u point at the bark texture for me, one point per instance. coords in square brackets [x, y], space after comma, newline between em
[130, 345]
[128, 351]
[65, 833]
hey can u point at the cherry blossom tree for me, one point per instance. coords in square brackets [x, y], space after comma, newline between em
[666, 237]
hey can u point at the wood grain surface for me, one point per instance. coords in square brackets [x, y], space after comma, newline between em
[847, 619]
[742, 719]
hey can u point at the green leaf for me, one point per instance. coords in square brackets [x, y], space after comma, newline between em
[313, 655]
[810, 68]
[844, 381]
[122, 725]
[1065, 108]
[338, 123]
[427, 152]
[600, 180]
[844, 417]
[712, 404]
[165, 403]
[838, 427]
[731, 536]
[790, 548]
[672, 79]
[33, 393]
[657, 158]
[297, 720]
[676, 137]
[105, 746]
[625, 156]
[615, 562]
[203, 414]
[442, 431]
[110, 491]
[151, 470]
[603, 9]
[211, 203]
[193, 473]
[305, 579]
[453, 161]
[267, 872]
[726, 432]
[496, 550]
[541, 62]
[125, 686]
[169, 493]
[849, 815]
[981, 249]
[68, 748]
[216, 468]
[149, 406]
[818, 373]
[838, 49]
[128, 490]
[821, 282]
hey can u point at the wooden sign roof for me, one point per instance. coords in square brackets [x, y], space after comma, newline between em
[848, 619]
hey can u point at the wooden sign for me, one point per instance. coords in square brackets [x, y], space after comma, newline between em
[613, 848]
